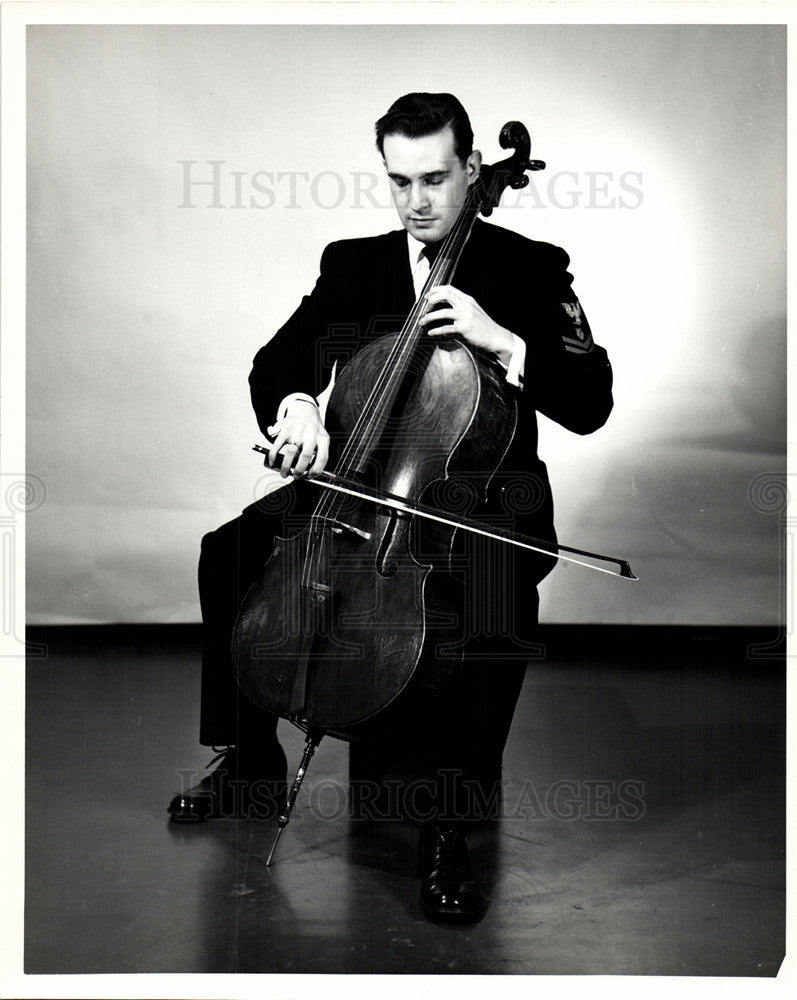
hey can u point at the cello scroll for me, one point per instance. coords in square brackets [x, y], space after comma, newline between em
[510, 172]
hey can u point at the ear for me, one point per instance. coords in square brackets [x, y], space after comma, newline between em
[473, 165]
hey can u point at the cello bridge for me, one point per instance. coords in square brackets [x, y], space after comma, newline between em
[338, 527]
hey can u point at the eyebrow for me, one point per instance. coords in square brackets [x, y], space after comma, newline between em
[432, 175]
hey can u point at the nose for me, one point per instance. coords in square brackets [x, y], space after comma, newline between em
[419, 198]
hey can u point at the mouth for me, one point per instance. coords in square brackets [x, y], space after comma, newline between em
[419, 221]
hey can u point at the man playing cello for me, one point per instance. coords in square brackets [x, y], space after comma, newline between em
[511, 299]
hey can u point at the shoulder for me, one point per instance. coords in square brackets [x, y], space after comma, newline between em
[495, 239]
[364, 248]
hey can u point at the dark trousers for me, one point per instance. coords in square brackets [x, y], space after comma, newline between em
[459, 732]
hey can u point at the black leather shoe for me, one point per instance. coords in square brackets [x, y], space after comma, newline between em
[448, 889]
[234, 792]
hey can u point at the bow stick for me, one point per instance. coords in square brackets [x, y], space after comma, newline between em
[331, 481]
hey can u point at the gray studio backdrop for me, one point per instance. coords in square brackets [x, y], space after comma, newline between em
[150, 291]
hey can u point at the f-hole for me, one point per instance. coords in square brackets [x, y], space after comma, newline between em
[384, 568]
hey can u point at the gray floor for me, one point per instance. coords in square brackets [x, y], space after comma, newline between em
[643, 827]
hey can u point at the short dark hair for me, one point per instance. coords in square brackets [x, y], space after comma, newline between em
[416, 115]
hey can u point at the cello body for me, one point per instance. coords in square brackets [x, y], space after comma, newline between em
[363, 599]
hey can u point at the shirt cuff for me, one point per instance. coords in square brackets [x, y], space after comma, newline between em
[282, 410]
[517, 363]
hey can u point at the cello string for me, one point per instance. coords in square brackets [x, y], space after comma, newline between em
[364, 435]
[374, 411]
[377, 404]
[393, 370]
[370, 423]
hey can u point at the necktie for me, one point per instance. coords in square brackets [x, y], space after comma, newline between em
[425, 260]
[430, 252]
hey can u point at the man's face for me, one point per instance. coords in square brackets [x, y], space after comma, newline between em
[428, 182]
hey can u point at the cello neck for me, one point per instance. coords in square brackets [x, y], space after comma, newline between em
[442, 269]
[366, 435]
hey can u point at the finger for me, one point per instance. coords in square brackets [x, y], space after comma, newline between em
[274, 447]
[444, 292]
[303, 461]
[436, 295]
[289, 452]
[442, 331]
[434, 315]
[321, 456]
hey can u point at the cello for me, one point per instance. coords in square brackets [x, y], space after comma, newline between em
[352, 611]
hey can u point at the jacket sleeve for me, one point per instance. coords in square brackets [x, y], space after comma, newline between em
[294, 359]
[568, 377]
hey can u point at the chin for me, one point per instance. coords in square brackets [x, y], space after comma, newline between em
[431, 235]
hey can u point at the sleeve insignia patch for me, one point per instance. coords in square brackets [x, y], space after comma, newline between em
[579, 340]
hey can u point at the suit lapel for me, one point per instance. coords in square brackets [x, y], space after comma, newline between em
[399, 269]
[396, 290]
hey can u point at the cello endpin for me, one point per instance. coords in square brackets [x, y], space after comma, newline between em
[280, 828]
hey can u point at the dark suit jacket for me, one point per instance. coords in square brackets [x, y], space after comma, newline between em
[365, 290]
